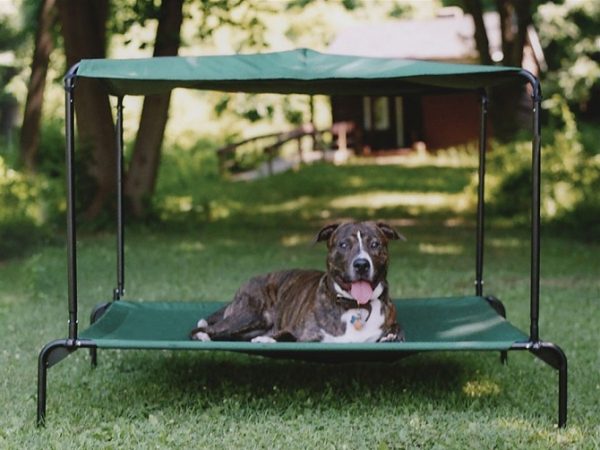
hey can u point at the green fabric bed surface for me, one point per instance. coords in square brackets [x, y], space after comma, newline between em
[454, 323]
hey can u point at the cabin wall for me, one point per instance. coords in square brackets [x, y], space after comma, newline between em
[450, 120]
[439, 121]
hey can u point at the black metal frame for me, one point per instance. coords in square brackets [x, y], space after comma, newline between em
[57, 350]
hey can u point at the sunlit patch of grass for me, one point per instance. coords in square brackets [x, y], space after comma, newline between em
[191, 246]
[180, 203]
[506, 242]
[481, 388]
[436, 249]
[355, 181]
[466, 156]
[293, 240]
[419, 201]
[290, 205]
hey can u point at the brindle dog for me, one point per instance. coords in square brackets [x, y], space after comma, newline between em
[347, 303]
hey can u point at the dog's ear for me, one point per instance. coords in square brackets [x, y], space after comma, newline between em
[326, 232]
[390, 232]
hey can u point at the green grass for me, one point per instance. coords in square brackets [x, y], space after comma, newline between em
[162, 399]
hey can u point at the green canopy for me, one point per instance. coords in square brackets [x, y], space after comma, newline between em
[299, 71]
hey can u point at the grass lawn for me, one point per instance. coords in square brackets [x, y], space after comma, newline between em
[164, 399]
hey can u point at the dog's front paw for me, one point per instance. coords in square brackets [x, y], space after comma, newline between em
[198, 333]
[201, 336]
[263, 340]
[392, 337]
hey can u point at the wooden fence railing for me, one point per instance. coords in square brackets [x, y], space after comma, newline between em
[340, 136]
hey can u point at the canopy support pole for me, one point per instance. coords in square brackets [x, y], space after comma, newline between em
[120, 289]
[535, 212]
[69, 85]
[536, 157]
[480, 195]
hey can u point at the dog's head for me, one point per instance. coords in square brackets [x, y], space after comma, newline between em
[358, 257]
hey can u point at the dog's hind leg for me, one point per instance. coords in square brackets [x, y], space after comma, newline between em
[214, 317]
[242, 319]
[243, 325]
[199, 333]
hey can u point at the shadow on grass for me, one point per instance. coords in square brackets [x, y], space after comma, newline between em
[192, 381]
[315, 194]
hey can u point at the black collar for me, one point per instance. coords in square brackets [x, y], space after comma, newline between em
[350, 303]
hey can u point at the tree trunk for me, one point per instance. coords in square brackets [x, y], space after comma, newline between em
[143, 170]
[474, 8]
[515, 17]
[30, 130]
[84, 33]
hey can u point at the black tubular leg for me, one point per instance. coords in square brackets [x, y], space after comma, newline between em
[480, 196]
[535, 218]
[51, 354]
[553, 355]
[94, 316]
[55, 351]
[536, 175]
[562, 391]
[120, 289]
[71, 219]
[42, 386]
[500, 309]
[94, 357]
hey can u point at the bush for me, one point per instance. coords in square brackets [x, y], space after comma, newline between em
[25, 209]
[186, 183]
[570, 175]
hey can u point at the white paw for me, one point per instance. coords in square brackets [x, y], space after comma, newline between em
[202, 323]
[390, 337]
[263, 340]
[201, 336]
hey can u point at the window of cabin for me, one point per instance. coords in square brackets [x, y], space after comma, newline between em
[399, 106]
[376, 113]
[367, 119]
[381, 113]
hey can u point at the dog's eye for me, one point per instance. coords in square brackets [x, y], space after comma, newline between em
[375, 245]
[343, 245]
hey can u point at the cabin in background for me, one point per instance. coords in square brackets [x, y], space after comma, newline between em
[384, 123]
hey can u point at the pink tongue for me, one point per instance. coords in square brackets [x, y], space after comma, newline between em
[361, 291]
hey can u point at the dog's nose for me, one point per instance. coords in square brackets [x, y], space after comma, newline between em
[361, 265]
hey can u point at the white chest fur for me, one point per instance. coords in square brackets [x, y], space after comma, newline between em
[370, 329]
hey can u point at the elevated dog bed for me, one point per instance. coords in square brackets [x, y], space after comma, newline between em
[461, 323]
[431, 324]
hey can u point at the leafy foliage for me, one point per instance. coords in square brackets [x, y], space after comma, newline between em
[26, 208]
[570, 34]
[570, 175]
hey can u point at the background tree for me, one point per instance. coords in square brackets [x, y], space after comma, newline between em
[85, 34]
[475, 9]
[143, 170]
[515, 18]
[43, 46]
[83, 26]
[11, 38]
[142, 173]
